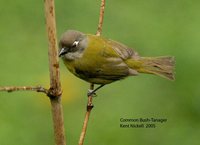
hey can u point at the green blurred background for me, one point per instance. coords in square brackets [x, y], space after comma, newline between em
[153, 28]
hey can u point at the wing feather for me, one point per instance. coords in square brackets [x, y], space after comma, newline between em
[122, 50]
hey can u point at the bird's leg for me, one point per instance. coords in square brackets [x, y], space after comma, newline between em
[92, 92]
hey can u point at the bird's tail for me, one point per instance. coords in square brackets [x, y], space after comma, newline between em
[162, 66]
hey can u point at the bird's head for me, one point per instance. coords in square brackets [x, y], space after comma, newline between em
[72, 44]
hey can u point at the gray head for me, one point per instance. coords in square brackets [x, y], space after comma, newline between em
[72, 44]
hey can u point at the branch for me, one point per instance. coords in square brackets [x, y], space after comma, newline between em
[25, 88]
[89, 104]
[87, 115]
[55, 86]
[53, 49]
[54, 92]
[101, 16]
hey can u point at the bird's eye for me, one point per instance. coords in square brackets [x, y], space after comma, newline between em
[75, 44]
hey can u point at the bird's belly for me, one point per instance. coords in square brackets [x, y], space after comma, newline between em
[101, 72]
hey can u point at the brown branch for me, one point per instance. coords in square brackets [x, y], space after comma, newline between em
[101, 16]
[25, 88]
[89, 104]
[54, 92]
[87, 115]
[55, 86]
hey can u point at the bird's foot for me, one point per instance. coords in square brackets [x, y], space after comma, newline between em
[91, 93]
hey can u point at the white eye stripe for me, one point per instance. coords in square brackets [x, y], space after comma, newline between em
[75, 43]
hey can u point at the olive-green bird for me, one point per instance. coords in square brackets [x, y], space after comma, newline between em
[102, 61]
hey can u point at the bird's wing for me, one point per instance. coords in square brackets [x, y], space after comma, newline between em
[122, 50]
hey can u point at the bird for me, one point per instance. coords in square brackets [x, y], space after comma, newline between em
[102, 61]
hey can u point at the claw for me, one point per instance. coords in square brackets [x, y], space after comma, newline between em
[91, 93]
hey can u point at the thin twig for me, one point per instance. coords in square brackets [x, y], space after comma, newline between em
[55, 86]
[101, 16]
[25, 88]
[89, 103]
[87, 115]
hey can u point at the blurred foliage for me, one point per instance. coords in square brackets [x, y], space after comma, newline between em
[153, 28]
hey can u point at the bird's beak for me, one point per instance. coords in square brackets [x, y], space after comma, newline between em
[63, 51]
